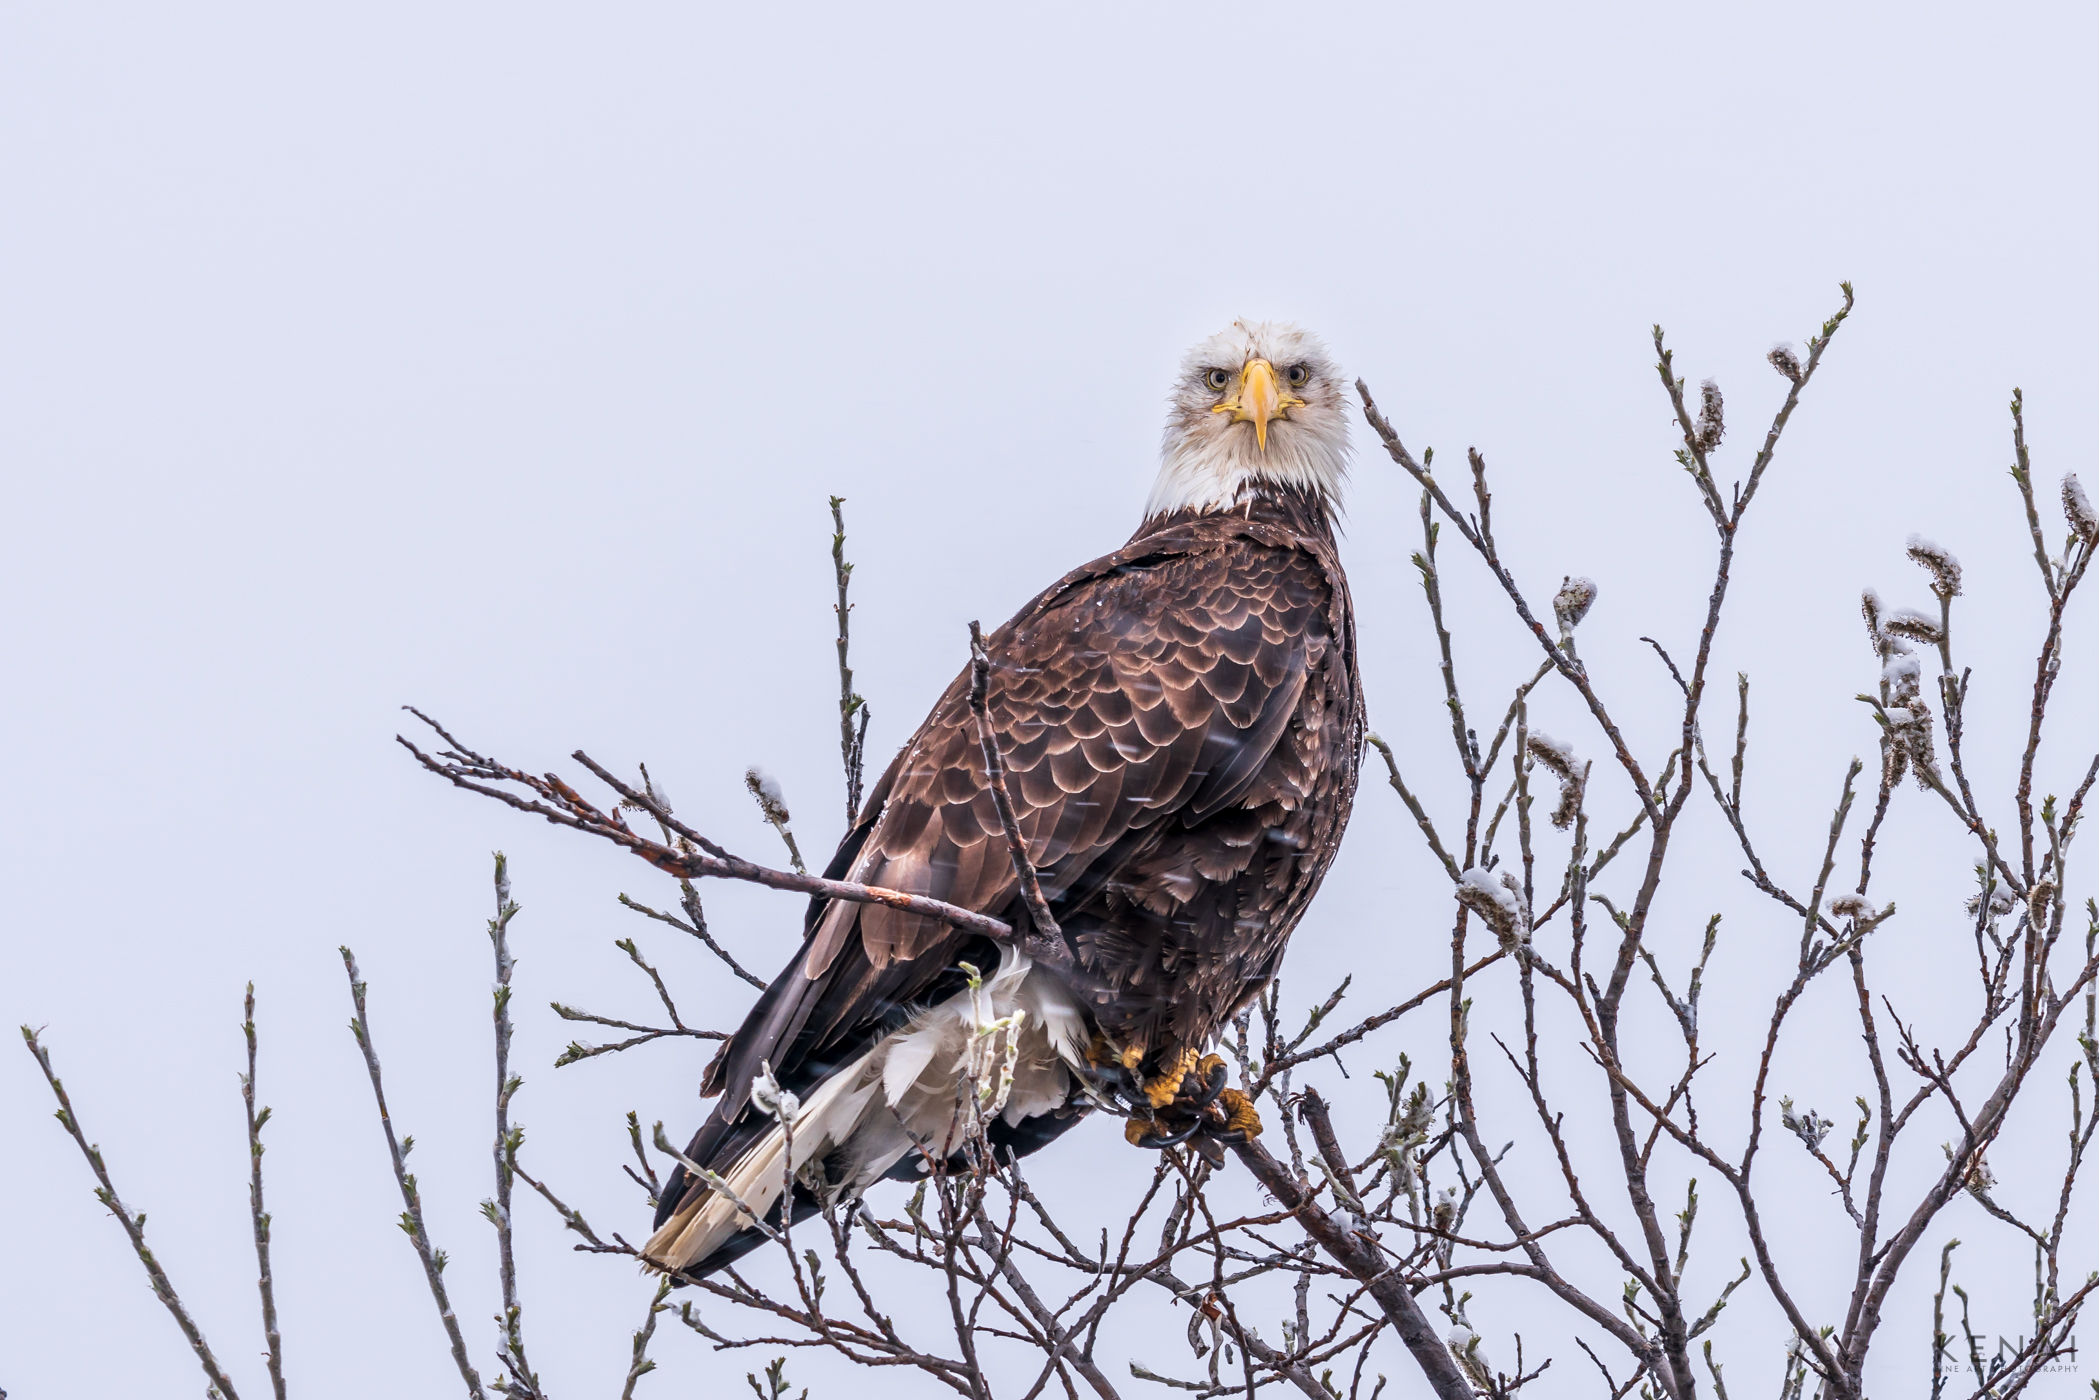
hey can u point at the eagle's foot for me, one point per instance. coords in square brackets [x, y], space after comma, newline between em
[1211, 1073]
[1158, 1134]
[1164, 1088]
[1239, 1114]
[1202, 1110]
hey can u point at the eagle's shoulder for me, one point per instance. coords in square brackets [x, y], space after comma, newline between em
[1227, 542]
[1153, 681]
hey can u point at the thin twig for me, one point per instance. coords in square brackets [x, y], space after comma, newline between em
[522, 1381]
[563, 806]
[134, 1225]
[697, 928]
[1366, 1264]
[852, 744]
[640, 1364]
[257, 1215]
[995, 774]
[433, 1260]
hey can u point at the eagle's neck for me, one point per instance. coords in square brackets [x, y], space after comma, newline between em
[1207, 471]
[1294, 508]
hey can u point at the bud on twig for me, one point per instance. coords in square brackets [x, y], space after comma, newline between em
[772, 805]
[1785, 362]
[1712, 418]
[1904, 679]
[1864, 914]
[1917, 626]
[1938, 561]
[1909, 725]
[2039, 903]
[2077, 509]
[765, 789]
[2001, 903]
[1870, 609]
[1498, 901]
[1976, 1178]
[1572, 603]
[1559, 759]
[772, 1100]
[1810, 1127]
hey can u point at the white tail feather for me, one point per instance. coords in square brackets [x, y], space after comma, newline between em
[759, 1176]
[901, 1093]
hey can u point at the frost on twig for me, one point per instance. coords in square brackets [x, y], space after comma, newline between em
[1786, 361]
[1572, 603]
[2000, 904]
[1558, 759]
[1863, 912]
[772, 1100]
[772, 805]
[2077, 509]
[1940, 563]
[1497, 898]
[1905, 716]
[1885, 645]
[1712, 418]
[1569, 606]
[1915, 626]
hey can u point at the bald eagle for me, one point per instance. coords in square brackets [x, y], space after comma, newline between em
[1181, 722]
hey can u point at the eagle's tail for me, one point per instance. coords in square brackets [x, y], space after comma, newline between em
[708, 1219]
[1012, 1037]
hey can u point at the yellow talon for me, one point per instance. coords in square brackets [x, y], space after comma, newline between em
[1167, 1087]
[1239, 1114]
[1134, 1129]
[1132, 1056]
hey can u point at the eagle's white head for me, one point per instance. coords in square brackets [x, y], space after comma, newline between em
[1258, 404]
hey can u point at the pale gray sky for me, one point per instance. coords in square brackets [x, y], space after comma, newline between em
[498, 359]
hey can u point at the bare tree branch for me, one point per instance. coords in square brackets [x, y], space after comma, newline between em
[433, 1260]
[134, 1225]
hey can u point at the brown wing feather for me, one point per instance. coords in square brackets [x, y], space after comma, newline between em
[1194, 725]
[1156, 683]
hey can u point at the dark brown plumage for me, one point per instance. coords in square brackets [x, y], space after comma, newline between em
[1181, 721]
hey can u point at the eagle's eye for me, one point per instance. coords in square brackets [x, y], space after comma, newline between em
[1298, 374]
[1218, 379]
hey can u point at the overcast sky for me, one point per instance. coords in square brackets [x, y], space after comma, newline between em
[499, 360]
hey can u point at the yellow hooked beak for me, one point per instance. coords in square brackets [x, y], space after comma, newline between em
[1258, 399]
